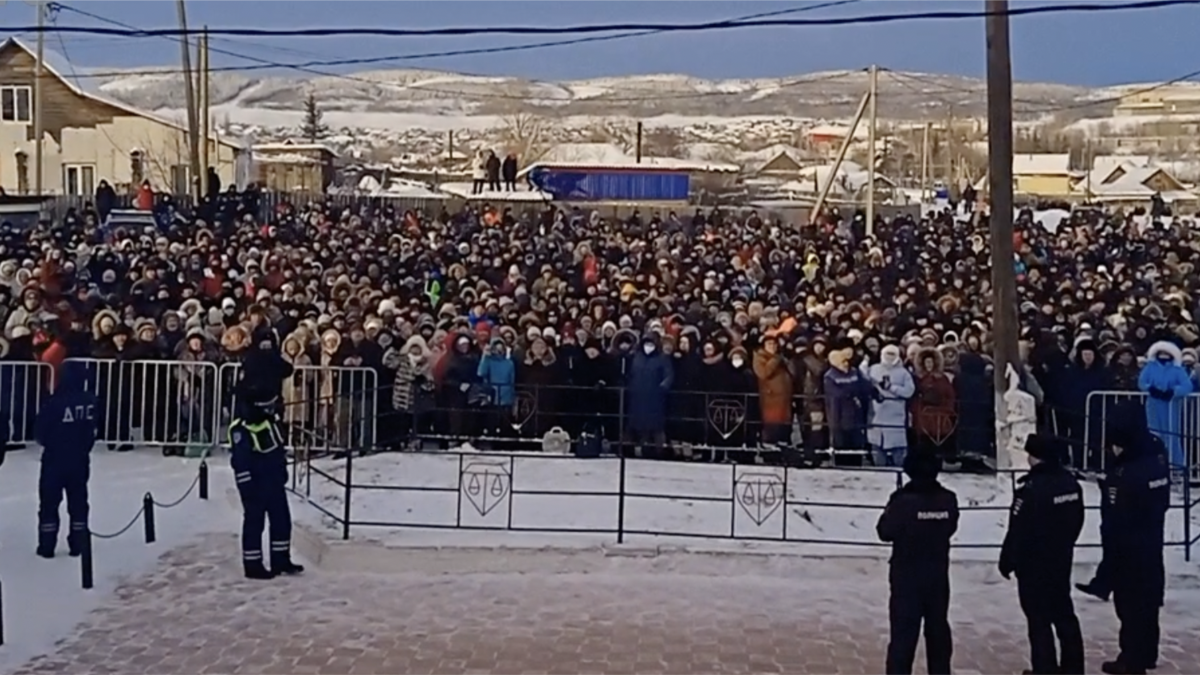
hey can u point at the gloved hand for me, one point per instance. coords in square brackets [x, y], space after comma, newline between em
[1005, 572]
[1161, 394]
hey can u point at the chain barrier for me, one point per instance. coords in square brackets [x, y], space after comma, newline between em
[145, 515]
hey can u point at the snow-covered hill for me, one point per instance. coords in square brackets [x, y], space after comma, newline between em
[425, 92]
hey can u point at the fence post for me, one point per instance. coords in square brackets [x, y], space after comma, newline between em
[1186, 507]
[87, 578]
[621, 503]
[1, 613]
[346, 496]
[203, 479]
[148, 517]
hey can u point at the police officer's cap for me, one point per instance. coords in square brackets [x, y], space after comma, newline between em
[1043, 447]
[922, 465]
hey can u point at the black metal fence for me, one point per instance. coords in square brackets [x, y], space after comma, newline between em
[618, 498]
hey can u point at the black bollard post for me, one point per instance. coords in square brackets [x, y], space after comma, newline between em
[148, 517]
[203, 479]
[85, 561]
[1, 613]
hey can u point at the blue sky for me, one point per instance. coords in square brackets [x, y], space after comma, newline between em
[1087, 49]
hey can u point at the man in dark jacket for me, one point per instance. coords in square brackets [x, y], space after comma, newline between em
[66, 430]
[1044, 524]
[1138, 494]
[919, 520]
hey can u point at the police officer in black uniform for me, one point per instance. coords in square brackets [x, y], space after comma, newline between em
[919, 520]
[1138, 490]
[1043, 526]
[66, 430]
[259, 461]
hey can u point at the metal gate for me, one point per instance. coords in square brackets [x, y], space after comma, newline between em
[23, 384]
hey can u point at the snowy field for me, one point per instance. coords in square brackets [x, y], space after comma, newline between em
[43, 599]
[697, 506]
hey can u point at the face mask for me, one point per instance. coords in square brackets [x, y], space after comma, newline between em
[1163, 357]
[737, 362]
[649, 349]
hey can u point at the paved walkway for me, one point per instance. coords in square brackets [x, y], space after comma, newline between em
[196, 615]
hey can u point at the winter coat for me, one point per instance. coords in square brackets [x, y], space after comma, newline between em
[774, 388]
[889, 412]
[499, 373]
[1165, 417]
[934, 408]
[411, 374]
[975, 400]
[649, 382]
[847, 397]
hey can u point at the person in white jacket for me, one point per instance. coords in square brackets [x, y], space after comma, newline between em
[887, 431]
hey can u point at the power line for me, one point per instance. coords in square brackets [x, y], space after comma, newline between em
[265, 64]
[625, 27]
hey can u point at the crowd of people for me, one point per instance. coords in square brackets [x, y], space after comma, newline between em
[704, 334]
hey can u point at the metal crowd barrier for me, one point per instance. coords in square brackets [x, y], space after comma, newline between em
[715, 423]
[620, 498]
[325, 408]
[157, 403]
[1099, 403]
[23, 384]
[188, 405]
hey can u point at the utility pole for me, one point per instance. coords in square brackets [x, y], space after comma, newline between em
[837, 162]
[190, 94]
[951, 177]
[874, 94]
[639, 143]
[38, 75]
[1087, 166]
[202, 47]
[925, 161]
[1000, 158]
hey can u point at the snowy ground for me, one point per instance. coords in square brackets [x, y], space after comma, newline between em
[828, 511]
[43, 599]
[682, 614]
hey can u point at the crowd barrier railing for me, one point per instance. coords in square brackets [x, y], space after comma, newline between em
[23, 386]
[188, 405]
[629, 498]
[324, 408]
[1184, 434]
[712, 422]
[154, 403]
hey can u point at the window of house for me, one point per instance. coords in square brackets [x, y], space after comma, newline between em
[16, 104]
[181, 179]
[79, 180]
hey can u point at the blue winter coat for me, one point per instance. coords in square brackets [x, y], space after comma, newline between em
[649, 382]
[1165, 418]
[847, 396]
[499, 373]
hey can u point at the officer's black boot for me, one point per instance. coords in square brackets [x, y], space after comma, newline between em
[1092, 590]
[1118, 668]
[45, 551]
[285, 567]
[254, 569]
